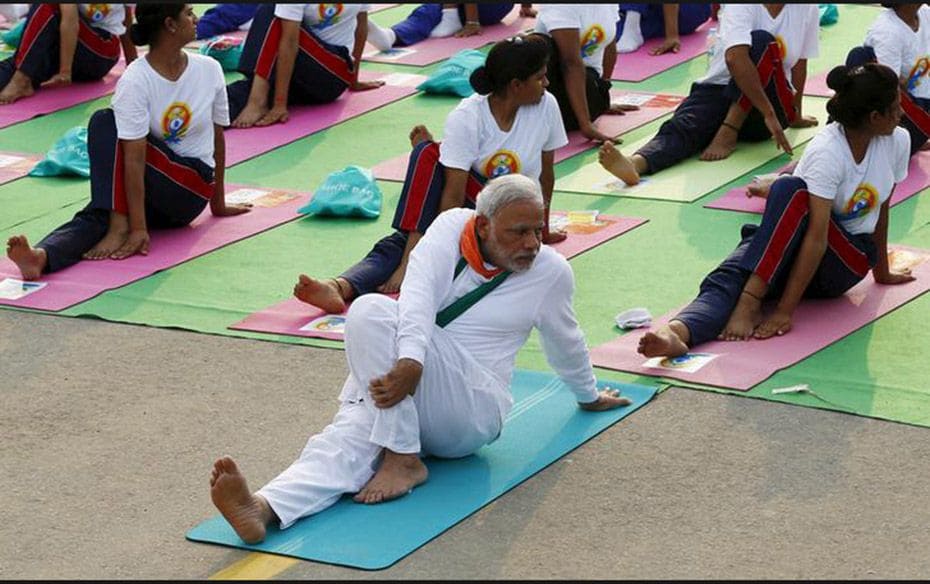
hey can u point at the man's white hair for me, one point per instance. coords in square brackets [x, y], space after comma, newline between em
[504, 190]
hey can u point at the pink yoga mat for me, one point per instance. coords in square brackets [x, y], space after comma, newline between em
[744, 364]
[168, 248]
[918, 178]
[243, 144]
[431, 51]
[395, 169]
[639, 64]
[289, 316]
[817, 85]
[48, 100]
[14, 165]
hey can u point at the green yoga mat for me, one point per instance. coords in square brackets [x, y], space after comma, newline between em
[693, 178]
[545, 425]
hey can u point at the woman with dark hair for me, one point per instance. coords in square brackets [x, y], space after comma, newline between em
[298, 54]
[157, 155]
[63, 43]
[822, 231]
[511, 126]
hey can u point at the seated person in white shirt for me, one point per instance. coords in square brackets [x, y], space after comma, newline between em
[156, 155]
[745, 95]
[429, 375]
[823, 229]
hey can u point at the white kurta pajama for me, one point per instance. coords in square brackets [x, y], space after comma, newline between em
[463, 395]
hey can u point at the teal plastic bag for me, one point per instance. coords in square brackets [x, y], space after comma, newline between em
[15, 34]
[67, 156]
[452, 76]
[350, 192]
[225, 49]
[829, 14]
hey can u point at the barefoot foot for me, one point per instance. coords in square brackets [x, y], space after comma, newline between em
[250, 114]
[723, 144]
[617, 164]
[30, 261]
[419, 134]
[662, 343]
[745, 318]
[760, 185]
[248, 514]
[324, 294]
[112, 241]
[397, 476]
[19, 86]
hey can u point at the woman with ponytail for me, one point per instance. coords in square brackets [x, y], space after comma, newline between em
[823, 229]
[298, 54]
[511, 126]
[62, 43]
[157, 155]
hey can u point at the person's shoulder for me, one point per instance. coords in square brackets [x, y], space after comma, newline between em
[204, 62]
[901, 138]
[470, 108]
[136, 71]
[452, 219]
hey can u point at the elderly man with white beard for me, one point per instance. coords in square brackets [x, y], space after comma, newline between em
[429, 373]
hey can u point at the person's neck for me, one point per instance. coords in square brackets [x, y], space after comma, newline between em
[858, 141]
[485, 252]
[504, 110]
[908, 14]
[774, 9]
[168, 61]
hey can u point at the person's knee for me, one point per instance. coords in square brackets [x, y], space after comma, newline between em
[369, 309]
[785, 188]
[102, 119]
[761, 39]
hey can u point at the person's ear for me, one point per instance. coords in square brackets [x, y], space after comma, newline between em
[483, 226]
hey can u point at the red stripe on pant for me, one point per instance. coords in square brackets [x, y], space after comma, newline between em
[40, 19]
[915, 114]
[796, 209]
[119, 204]
[852, 256]
[106, 48]
[331, 62]
[268, 53]
[770, 65]
[421, 183]
[184, 176]
[472, 188]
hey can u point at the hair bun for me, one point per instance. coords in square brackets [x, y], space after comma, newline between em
[480, 81]
[839, 79]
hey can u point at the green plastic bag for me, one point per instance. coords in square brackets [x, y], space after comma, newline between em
[350, 192]
[829, 14]
[225, 49]
[452, 76]
[67, 156]
[15, 34]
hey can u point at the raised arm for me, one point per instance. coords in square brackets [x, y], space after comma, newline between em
[129, 49]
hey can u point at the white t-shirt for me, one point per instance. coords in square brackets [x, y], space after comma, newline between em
[596, 24]
[857, 190]
[905, 51]
[181, 113]
[109, 17]
[333, 23]
[472, 140]
[795, 30]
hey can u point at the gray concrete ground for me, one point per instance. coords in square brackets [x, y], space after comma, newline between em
[109, 432]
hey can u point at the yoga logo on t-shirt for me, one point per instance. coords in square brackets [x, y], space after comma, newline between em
[329, 14]
[862, 202]
[591, 39]
[97, 12]
[921, 69]
[500, 163]
[175, 122]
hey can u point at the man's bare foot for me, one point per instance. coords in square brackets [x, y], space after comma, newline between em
[662, 343]
[324, 294]
[30, 261]
[723, 144]
[617, 164]
[112, 241]
[397, 476]
[248, 514]
[18, 87]
[760, 185]
[743, 321]
[250, 114]
[419, 134]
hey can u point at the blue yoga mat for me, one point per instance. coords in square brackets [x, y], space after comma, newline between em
[545, 424]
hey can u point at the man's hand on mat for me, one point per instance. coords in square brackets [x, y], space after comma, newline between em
[366, 85]
[607, 399]
[894, 277]
[618, 109]
[774, 127]
[60, 79]
[470, 29]
[231, 210]
[779, 323]
[804, 122]
[277, 114]
[136, 243]
[592, 133]
[391, 388]
[669, 45]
